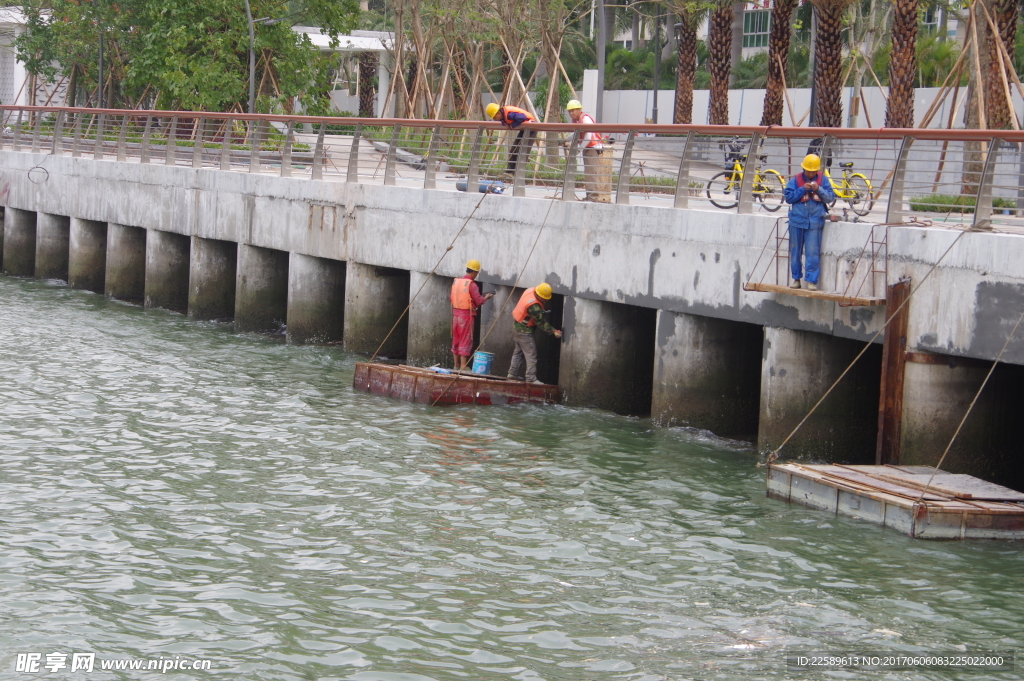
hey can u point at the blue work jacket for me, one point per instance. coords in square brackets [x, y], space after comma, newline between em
[808, 214]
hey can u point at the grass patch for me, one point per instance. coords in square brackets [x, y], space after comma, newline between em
[957, 203]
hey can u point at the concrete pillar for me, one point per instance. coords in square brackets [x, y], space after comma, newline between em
[87, 255]
[707, 374]
[430, 320]
[211, 279]
[316, 299]
[935, 399]
[125, 278]
[375, 298]
[261, 289]
[19, 242]
[607, 356]
[499, 333]
[53, 234]
[167, 270]
[2, 218]
[796, 370]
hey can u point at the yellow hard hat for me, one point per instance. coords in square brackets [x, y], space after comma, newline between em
[573, 104]
[543, 291]
[473, 265]
[492, 109]
[812, 163]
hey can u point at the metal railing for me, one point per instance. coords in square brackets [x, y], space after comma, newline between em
[953, 177]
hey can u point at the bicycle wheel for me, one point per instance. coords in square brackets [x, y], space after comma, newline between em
[861, 199]
[770, 191]
[722, 190]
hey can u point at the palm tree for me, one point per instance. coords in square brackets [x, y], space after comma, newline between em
[778, 54]
[899, 108]
[1005, 14]
[719, 61]
[828, 61]
[690, 15]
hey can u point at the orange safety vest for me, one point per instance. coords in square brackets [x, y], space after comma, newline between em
[591, 139]
[801, 181]
[460, 297]
[505, 110]
[528, 298]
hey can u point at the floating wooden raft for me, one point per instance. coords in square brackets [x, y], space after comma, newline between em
[954, 507]
[426, 386]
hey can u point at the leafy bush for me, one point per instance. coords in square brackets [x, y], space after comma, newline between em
[956, 203]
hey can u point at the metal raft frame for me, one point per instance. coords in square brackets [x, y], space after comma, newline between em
[873, 260]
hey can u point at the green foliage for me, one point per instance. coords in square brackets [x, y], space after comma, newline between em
[752, 72]
[634, 70]
[540, 98]
[956, 203]
[184, 54]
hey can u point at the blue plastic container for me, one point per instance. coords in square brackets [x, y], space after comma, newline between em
[485, 186]
[482, 362]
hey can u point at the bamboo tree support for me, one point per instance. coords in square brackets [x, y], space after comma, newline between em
[1004, 66]
[979, 81]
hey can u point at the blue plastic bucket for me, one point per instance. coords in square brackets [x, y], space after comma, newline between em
[482, 362]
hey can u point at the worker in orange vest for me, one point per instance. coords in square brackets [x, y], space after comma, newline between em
[529, 315]
[597, 183]
[512, 117]
[466, 299]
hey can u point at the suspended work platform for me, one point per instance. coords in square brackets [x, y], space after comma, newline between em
[865, 277]
[953, 506]
[431, 386]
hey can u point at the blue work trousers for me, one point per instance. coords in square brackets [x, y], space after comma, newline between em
[808, 243]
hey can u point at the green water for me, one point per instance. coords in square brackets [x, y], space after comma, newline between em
[170, 489]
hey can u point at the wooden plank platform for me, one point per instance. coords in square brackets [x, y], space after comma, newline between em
[853, 301]
[954, 507]
[427, 386]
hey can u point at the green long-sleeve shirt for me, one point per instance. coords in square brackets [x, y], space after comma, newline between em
[536, 313]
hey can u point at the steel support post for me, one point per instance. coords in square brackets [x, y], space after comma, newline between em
[97, 150]
[254, 145]
[147, 136]
[569, 181]
[353, 155]
[389, 164]
[682, 198]
[983, 204]
[745, 200]
[430, 169]
[225, 146]
[197, 143]
[622, 191]
[57, 148]
[122, 139]
[171, 150]
[286, 152]
[894, 210]
[473, 174]
[317, 171]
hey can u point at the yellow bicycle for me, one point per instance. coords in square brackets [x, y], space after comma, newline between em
[853, 188]
[723, 189]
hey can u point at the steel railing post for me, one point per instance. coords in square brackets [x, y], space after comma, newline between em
[197, 143]
[353, 155]
[389, 164]
[622, 191]
[122, 139]
[473, 172]
[983, 203]
[37, 131]
[894, 209]
[16, 142]
[569, 180]
[57, 148]
[317, 171]
[97, 150]
[745, 200]
[147, 134]
[286, 150]
[682, 198]
[522, 152]
[171, 151]
[254, 146]
[430, 169]
[76, 149]
[225, 146]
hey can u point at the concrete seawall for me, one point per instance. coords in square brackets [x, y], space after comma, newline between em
[651, 299]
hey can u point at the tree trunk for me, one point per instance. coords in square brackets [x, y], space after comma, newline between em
[1004, 14]
[828, 61]
[72, 86]
[719, 54]
[899, 110]
[638, 44]
[367, 92]
[778, 55]
[460, 79]
[686, 66]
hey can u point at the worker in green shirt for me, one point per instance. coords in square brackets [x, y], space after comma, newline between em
[529, 315]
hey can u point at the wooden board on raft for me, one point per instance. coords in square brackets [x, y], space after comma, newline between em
[954, 507]
[426, 386]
